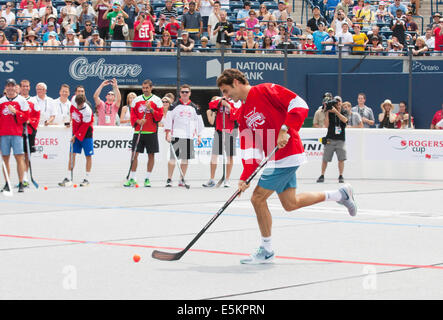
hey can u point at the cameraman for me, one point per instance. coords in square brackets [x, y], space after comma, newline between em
[334, 141]
[224, 30]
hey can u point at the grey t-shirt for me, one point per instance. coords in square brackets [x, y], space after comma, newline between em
[353, 119]
[364, 112]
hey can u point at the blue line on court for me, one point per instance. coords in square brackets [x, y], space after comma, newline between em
[86, 206]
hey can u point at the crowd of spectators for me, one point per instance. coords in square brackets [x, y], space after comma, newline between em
[364, 26]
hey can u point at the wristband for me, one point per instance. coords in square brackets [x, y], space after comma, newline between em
[284, 128]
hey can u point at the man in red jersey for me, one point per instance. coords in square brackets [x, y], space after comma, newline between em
[143, 32]
[14, 112]
[271, 116]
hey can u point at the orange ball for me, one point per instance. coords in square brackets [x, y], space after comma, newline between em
[75, 186]
[136, 258]
[46, 188]
[136, 185]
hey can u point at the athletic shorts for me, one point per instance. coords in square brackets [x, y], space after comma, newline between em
[184, 148]
[230, 141]
[31, 143]
[337, 146]
[11, 142]
[278, 179]
[87, 145]
[148, 142]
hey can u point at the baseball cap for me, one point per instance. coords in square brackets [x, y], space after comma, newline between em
[11, 81]
[309, 36]
[330, 29]
[315, 7]
[95, 32]
[437, 14]
[70, 31]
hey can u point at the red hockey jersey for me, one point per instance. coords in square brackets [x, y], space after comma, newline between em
[230, 116]
[82, 122]
[12, 124]
[267, 107]
[138, 109]
[34, 117]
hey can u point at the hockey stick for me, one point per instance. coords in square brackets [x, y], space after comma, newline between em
[28, 149]
[7, 193]
[135, 148]
[167, 256]
[187, 186]
[223, 178]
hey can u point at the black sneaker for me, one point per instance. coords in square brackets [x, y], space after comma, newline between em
[84, 183]
[6, 188]
[341, 179]
[168, 183]
[21, 187]
[321, 179]
[65, 183]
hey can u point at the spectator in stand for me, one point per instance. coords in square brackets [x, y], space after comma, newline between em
[132, 10]
[258, 35]
[26, 15]
[365, 112]
[344, 6]
[192, 22]
[330, 42]
[52, 43]
[23, 4]
[4, 43]
[125, 115]
[354, 119]
[394, 48]
[411, 25]
[204, 45]
[241, 34]
[365, 16]
[85, 13]
[169, 10]
[387, 117]
[420, 48]
[49, 12]
[101, 7]
[107, 110]
[375, 47]
[281, 14]
[112, 15]
[243, 13]
[435, 21]
[264, 15]
[205, 9]
[86, 33]
[309, 47]
[11, 33]
[338, 20]
[402, 116]
[250, 45]
[172, 27]
[268, 45]
[42, 8]
[280, 37]
[160, 25]
[319, 36]
[120, 32]
[71, 42]
[429, 39]
[375, 33]
[214, 17]
[187, 44]
[69, 16]
[360, 4]
[360, 40]
[397, 5]
[271, 30]
[31, 42]
[95, 43]
[382, 15]
[398, 27]
[252, 20]
[144, 32]
[35, 25]
[312, 24]
[437, 120]
[438, 35]
[224, 31]
[49, 28]
[8, 14]
[292, 29]
[165, 44]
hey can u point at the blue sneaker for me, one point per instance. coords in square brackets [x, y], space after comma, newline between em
[348, 199]
[260, 257]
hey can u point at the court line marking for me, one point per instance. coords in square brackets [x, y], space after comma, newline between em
[118, 244]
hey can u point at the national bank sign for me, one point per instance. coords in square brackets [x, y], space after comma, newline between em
[253, 70]
[80, 69]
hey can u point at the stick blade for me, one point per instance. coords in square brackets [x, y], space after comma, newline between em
[34, 183]
[166, 256]
[7, 193]
[220, 182]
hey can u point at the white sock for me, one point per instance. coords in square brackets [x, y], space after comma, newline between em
[69, 175]
[25, 176]
[333, 195]
[132, 175]
[148, 174]
[266, 243]
[87, 176]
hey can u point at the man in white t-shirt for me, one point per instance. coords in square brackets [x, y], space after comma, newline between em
[346, 39]
[63, 106]
[45, 104]
[214, 18]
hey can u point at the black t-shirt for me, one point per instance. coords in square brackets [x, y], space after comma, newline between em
[224, 26]
[313, 23]
[335, 122]
[118, 32]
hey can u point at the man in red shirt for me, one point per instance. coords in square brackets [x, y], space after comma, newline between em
[437, 120]
[143, 32]
[438, 34]
[14, 112]
[271, 116]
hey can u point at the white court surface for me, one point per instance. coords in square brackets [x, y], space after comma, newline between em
[78, 243]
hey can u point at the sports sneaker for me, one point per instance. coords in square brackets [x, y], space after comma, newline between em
[209, 184]
[227, 184]
[6, 188]
[321, 179]
[65, 183]
[168, 183]
[348, 199]
[341, 179]
[84, 183]
[260, 257]
[147, 183]
[130, 183]
[21, 187]
[183, 184]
